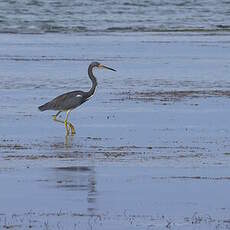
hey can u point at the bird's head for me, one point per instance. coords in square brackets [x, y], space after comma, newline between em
[100, 66]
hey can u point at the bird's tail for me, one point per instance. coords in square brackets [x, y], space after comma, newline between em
[43, 107]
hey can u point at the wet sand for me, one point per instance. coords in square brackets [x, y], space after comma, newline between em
[152, 146]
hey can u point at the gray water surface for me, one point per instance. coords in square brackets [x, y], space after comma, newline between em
[152, 146]
[41, 16]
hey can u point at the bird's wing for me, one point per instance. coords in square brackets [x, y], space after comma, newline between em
[66, 101]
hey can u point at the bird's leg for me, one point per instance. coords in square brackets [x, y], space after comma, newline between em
[61, 121]
[72, 128]
[55, 116]
[66, 122]
[70, 124]
[57, 120]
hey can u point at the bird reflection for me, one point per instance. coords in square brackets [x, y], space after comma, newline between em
[69, 141]
[78, 179]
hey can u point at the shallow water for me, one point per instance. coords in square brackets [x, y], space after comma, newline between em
[152, 146]
[42, 16]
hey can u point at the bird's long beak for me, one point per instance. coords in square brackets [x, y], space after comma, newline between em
[103, 66]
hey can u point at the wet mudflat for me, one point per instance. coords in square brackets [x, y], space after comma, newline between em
[152, 149]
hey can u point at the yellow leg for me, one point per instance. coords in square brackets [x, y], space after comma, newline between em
[66, 128]
[65, 122]
[57, 120]
[68, 123]
[55, 116]
[72, 128]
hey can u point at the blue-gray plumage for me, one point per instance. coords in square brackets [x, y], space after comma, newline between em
[71, 100]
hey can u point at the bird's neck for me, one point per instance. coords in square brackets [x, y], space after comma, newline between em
[94, 81]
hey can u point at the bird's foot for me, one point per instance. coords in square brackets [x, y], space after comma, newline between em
[54, 117]
[72, 129]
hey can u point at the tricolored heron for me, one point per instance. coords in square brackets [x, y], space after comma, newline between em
[71, 100]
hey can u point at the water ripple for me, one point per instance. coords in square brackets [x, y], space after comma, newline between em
[40, 16]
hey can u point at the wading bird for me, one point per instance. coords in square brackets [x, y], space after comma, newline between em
[71, 100]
